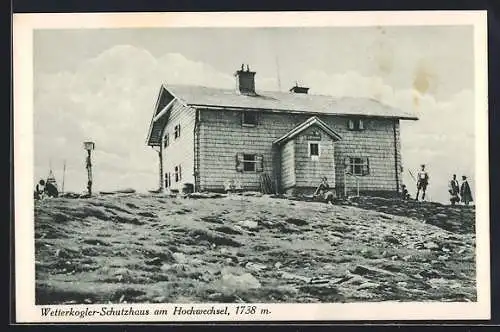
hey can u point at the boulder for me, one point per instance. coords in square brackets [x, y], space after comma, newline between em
[367, 285]
[431, 245]
[255, 266]
[157, 261]
[370, 270]
[391, 239]
[241, 282]
[296, 221]
[286, 275]
[228, 230]
[179, 257]
[249, 224]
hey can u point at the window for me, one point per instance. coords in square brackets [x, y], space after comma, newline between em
[355, 124]
[246, 162]
[314, 150]
[166, 140]
[249, 119]
[178, 173]
[177, 131]
[357, 166]
[249, 163]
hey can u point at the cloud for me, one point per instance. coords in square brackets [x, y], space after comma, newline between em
[110, 99]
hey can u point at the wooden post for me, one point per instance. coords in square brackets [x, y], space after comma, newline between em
[89, 172]
[357, 185]
[160, 156]
[64, 174]
[89, 146]
[345, 182]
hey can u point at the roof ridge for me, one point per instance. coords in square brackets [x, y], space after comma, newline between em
[214, 97]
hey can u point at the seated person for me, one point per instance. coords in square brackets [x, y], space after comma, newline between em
[404, 193]
[40, 190]
[51, 190]
[324, 191]
[228, 186]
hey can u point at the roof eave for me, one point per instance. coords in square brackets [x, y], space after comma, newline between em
[148, 137]
[280, 110]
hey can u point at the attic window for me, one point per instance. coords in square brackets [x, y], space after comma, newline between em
[355, 124]
[166, 140]
[249, 119]
[177, 131]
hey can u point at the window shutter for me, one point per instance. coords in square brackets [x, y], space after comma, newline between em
[361, 124]
[239, 162]
[180, 173]
[350, 124]
[259, 163]
[366, 166]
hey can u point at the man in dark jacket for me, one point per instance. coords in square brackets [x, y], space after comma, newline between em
[454, 189]
[465, 192]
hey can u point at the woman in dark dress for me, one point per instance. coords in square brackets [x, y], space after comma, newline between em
[465, 192]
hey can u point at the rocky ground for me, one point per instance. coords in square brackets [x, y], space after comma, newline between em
[138, 248]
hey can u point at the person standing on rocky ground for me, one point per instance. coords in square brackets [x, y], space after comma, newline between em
[465, 192]
[422, 182]
[454, 190]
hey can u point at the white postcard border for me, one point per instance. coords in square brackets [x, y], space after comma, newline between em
[23, 26]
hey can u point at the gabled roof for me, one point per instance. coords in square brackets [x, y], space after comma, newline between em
[289, 102]
[159, 119]
[303, 126]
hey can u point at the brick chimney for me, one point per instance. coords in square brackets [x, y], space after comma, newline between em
[299, 89]
[245, 81]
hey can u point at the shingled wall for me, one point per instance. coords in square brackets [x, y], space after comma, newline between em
[222, 136]
[180, 151]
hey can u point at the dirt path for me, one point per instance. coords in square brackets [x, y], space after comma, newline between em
[145, 248]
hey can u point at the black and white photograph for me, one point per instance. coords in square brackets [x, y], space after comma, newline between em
[189, 169]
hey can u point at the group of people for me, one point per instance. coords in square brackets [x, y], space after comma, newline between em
[45, 189]
[458, 192]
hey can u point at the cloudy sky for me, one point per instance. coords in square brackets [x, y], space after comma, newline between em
[101, 84]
